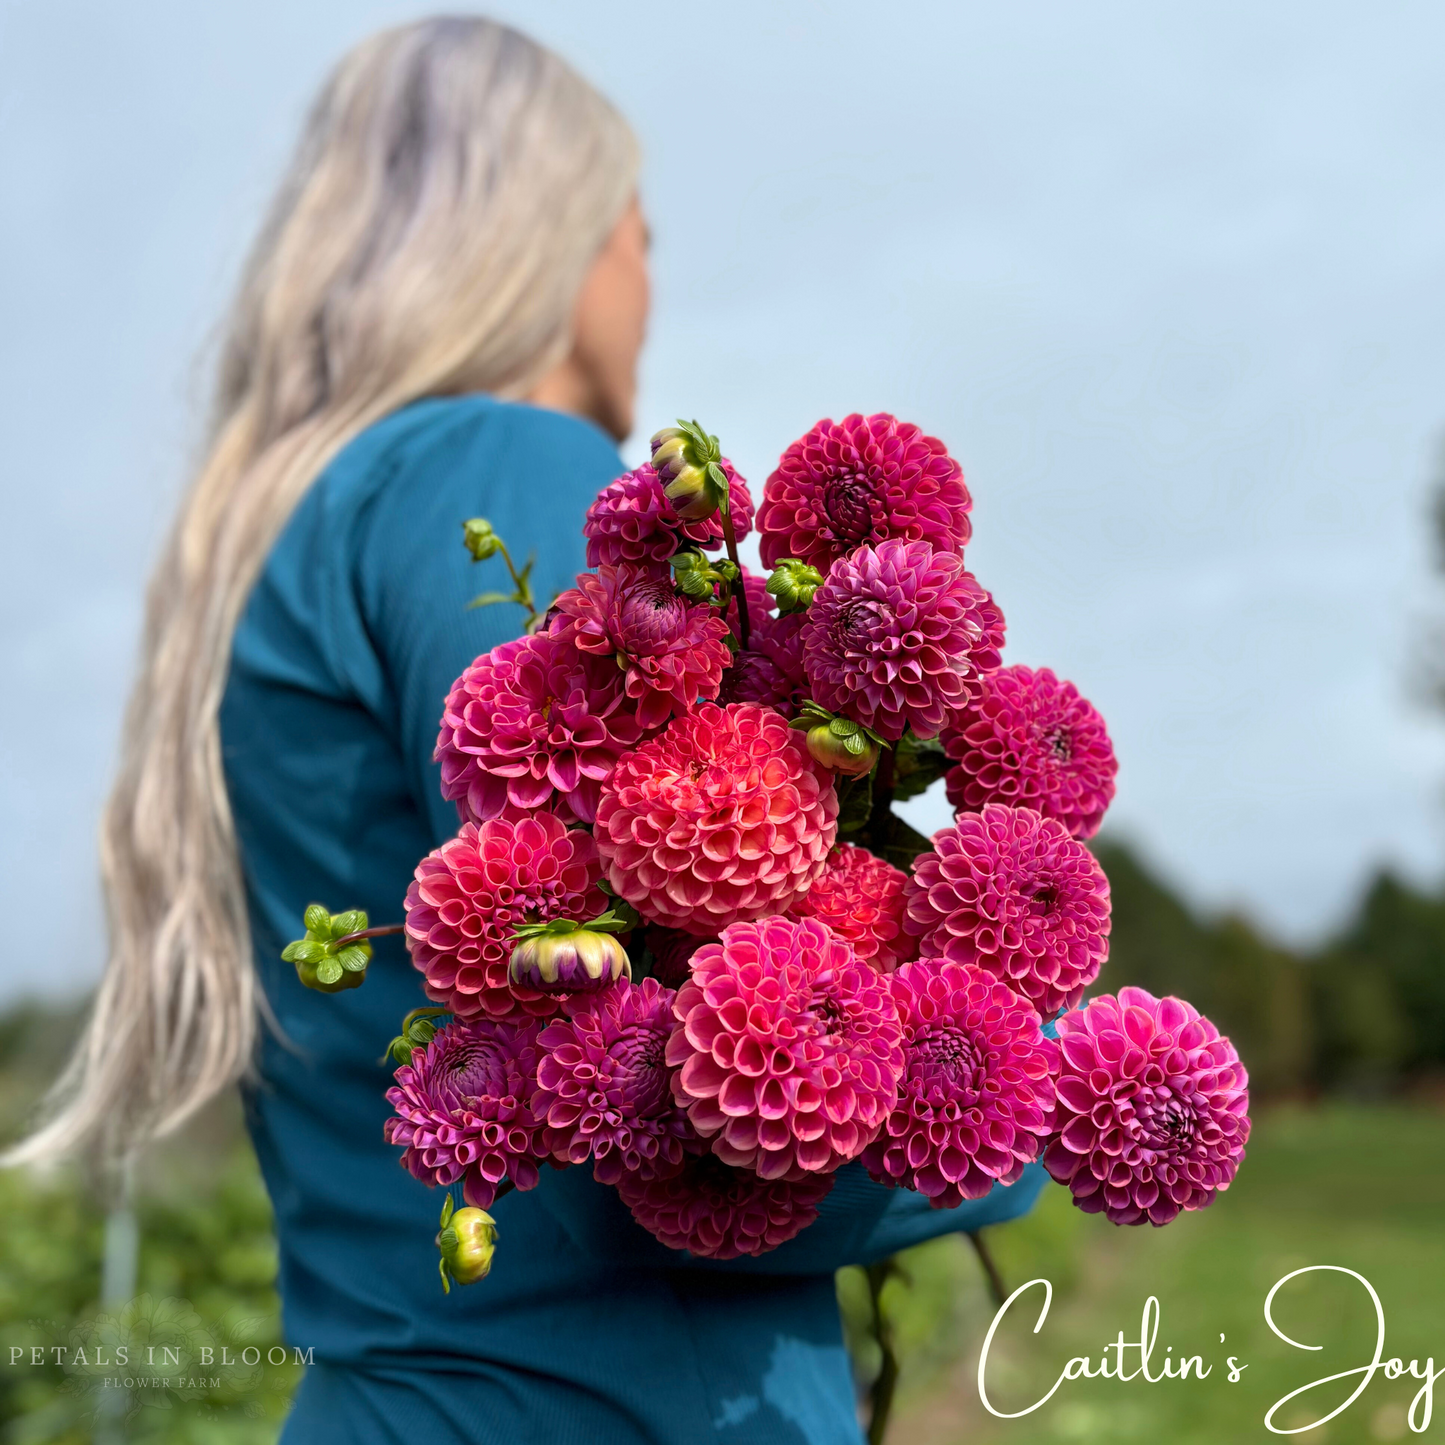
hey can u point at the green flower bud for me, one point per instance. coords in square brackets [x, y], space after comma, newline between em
[322, 961]
[467, 1240]
[793, 583]
[850, 753]
[686, 459]
[695, 575]
[481, 541]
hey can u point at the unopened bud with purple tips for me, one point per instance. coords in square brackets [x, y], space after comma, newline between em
[567, 957]
[686, 460]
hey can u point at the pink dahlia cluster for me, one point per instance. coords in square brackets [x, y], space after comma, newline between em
[1153, 1108]
[680, 941]
[1030, 740]
[1010, 890]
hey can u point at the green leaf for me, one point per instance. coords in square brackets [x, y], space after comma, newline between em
[916, 766]
[304, 950]
[854, 743]
[353, 958]
[855, 800]
[448, 1205]
[352, 921]
[487, 599]
[329, 970]
[317, 918]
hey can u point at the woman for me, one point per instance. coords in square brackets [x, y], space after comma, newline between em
[441, 318]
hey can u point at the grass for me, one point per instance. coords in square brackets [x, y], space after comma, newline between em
[1356, 1186]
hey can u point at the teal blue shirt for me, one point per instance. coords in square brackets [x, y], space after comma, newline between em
[587, 1330]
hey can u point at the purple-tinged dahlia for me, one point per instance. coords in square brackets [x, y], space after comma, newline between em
[787, 1048]
[533, 724]
[633, 522]
[1029, 740]
[896, 638]
[564, 957]
[860, 898]
[770, 669]
[672, 952]
[1153, 1108]
[858, 482]
[470, 895]
[977, 1099]
[723, 815]
[673, 652]
[464, 1108]
[717, 1212]
[603, 1088]
[1010, 890]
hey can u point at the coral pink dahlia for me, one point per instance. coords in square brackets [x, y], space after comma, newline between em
[1010, 890]
[1153, 1108]
[896, 637]
[787, 1048]
[632, 521]
[533, 723]
[464, 1111]
[603, 1089]
[860, 898]
[717, 1212]
[673, 651]
[471, 893]
[1029, 739]
[862, 481]
[977, 1097]
[724, 815]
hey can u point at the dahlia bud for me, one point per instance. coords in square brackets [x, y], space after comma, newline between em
[467, 1240]
[567, 957]
[685, 459]
[417, 1028]
[694, 575]
[481, 541]
[793, 584]
[838, 742]
[322, 962]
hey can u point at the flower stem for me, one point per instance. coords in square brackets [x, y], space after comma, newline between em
[880, 1393]
[881, 814]
[995, 1279]
[381, 931]
[730, 537]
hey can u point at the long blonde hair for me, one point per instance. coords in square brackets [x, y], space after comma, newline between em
[453, 184]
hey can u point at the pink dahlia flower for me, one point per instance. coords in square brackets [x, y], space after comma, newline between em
[532, 724]
[464, 1107]
[977, 1098]
[896, 636]
[603, 1089]
[860, 898]
[1010, 890]
[717, 1212]
[470, 894]
[673, 651]
[788, 1049]
[724, 815]
[862, 481]
[1153, 1108]
[632, 521]
[1028, 739]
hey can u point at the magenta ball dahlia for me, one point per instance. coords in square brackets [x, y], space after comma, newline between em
[470, 894]
[788, 1049]
[464, 1107]
[672, 651]
[862, 481]
[1010, 890]
[724, 815]
[896, 637]
[717, 1212]
[533, 723]
[633, 521]
[860, 898]
[603, 1089]
[977, 1098]
[1030, 740]
[1153, 1108]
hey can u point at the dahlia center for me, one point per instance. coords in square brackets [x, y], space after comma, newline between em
[848, 504]
[1043, 901]
[826, 1008]
[947, 1067]
[857, 623]
[1163, 1121]
[650, 617]
[1060, 744]
[638, 1055]
[476, 1070]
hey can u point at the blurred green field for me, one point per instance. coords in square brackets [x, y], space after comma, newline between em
[1352, 1185]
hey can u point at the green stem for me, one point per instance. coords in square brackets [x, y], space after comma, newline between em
[880, 816]
[730, 537]
[995, 1279]
[885, 1383]
[522, 584]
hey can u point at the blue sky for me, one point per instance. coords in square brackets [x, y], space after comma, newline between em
[1168, 280]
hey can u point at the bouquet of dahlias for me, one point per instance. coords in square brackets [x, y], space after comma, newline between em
[681, 938]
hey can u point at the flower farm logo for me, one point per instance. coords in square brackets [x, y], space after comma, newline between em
[158, 1353]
